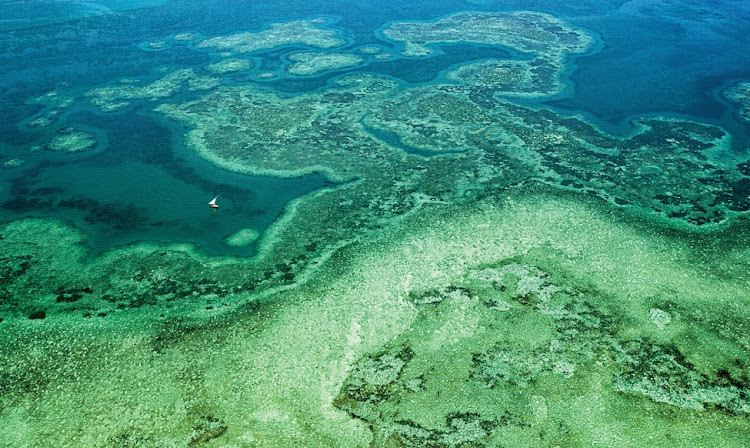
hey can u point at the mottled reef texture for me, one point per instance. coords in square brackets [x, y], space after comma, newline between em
[497, 352]
[740, 93]
[525, 318]
[72, 140]
[522, 31]
[299, 32]
[115, 97]
[311, 63]
[230, 65]
[482, 273]
[673, 168]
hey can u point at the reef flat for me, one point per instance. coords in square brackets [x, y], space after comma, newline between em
[549, 40]
[304, 32]
[518, 323]
[245, 129]
[522, 31]
[72, 140]
[535, 78]
[229, 66]
[308, 64]
[54, 104]
[243, 237]
[478, 272]
[114, 97]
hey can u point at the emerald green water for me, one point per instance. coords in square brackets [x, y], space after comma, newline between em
[444, 224]
[143, 187]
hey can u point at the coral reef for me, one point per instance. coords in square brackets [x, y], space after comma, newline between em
[370, 49]
[577, 343]
[230, 65]
[534, 78]
[72, 140]
[740, 93]
[116, 97]
[302, 32]
[54, 103]
[12, 163]
[522, 31]
[693, 183]
[478, 273]
[434, 385]
[312, 63]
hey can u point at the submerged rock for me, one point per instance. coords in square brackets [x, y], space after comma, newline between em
[37, 315]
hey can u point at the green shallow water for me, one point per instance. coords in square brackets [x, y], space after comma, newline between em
[412, 249]
[142, 187]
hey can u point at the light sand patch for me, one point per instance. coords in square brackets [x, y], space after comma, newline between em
[242, 237]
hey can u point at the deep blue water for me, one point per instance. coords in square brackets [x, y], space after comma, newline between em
[655, 57]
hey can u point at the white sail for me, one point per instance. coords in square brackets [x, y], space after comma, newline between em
[213, 201]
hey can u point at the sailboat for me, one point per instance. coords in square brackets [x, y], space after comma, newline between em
[213, 203]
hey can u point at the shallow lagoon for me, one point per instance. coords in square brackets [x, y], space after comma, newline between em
[447, 225]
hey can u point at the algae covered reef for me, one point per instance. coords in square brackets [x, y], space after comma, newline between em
[478, 270]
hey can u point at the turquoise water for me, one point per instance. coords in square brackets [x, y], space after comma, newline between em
[656, 59]
[442, 223]
[142, 187]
